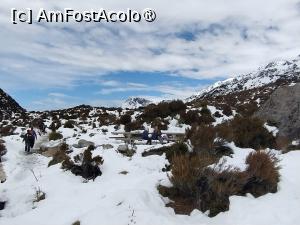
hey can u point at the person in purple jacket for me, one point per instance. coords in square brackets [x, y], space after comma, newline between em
[34, 137]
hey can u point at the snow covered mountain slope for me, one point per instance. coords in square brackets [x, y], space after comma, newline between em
[135, 103]
[273, 75]
[127, 192]
[8, 106]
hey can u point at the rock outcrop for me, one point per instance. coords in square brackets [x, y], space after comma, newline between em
[283, 108]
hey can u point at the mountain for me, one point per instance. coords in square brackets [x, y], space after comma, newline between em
[256, 86]
[135, 103]
[8, 106]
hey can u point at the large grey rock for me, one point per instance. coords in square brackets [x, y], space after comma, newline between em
[49, 149]
[283, 108]
[122, 148]
[107, 146]
[83, 143]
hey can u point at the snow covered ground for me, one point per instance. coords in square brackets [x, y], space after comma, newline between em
[117, 199]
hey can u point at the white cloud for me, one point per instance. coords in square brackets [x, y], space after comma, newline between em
[229, 37]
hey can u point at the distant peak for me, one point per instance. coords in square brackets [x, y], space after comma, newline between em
[135, 102]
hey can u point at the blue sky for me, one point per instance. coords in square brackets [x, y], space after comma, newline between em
[112, 90]
[191, 44]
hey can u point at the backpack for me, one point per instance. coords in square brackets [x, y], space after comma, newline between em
[30, 137]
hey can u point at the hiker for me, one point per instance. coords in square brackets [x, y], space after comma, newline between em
[157, 135]
[34, 137]
[145, 136]
[28, 137]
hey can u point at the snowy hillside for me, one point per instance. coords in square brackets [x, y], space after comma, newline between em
[126, 193]
[8, 106]
[272, 75]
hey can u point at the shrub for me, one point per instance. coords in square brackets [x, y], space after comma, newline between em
[191, 117]
[195, 185]
[76, 223]
[88, 167]
[91, 148]
[69, 124]
[186, 170]
[250, 133]
[263, 173]
[64, 147]
[216, 186]
[202, 137]
[227, 110]
[224, 131]
[150, 112]
[204, 110]
[221, 149]
[135, 125]
[282, 143]
[206, 116]
[2, 149]
[248, 109]
[59, 157]
[55, 136]
[170, 151]
[55, 125]
[162, 109]
[7, 130]
[39, 195]
[177, 106]
[106, 119]
[217, 114]
[125, 119]
[161, 124]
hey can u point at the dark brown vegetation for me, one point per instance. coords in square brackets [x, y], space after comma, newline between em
[170, 151]
[202, 137]
[84, 165]
[262, 172]
[60, 155]
[196, 186]
[162, 110]
[69, 124]
[197, 117]
[246, 132]
[55, 136]
[107, 119]
[134, 125]
[250, 132]
[55, 125]
[3, 149]
[125, 119]
[7, 130]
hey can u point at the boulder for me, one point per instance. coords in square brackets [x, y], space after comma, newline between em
[107, 146]
[283, 109]
[123, 148]
[83, 144]
[49, 149]
[126, 150]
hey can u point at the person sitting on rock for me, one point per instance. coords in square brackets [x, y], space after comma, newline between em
[146, 137]
[157, 135]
